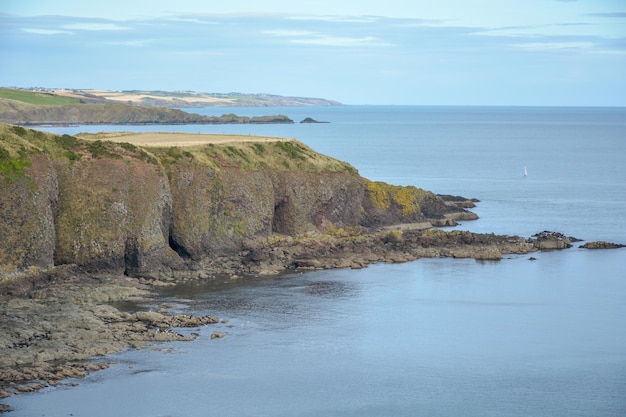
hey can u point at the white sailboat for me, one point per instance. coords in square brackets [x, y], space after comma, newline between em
[525, 172]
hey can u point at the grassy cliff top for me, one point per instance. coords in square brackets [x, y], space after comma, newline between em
[167, 149]
[167, 139]
[218, 150]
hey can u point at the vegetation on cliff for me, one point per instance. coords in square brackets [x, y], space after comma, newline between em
[274, 156]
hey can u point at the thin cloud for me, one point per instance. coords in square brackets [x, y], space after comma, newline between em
[46, 31]
[341, 41]
[337, 19]
[554, 46]
[191, 20]
[288, 33]
[610, 15]
[425, 23]
[304, 37]
[572, 29]
[95, 26]
[131, 43]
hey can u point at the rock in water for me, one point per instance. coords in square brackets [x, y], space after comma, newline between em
[601, 245]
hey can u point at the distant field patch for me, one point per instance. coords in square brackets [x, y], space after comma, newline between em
[36, 98]
[166, 139]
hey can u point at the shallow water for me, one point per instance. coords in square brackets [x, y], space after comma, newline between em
[434, 337]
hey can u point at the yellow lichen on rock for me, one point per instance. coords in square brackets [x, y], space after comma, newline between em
[378, 195]
[382, 195]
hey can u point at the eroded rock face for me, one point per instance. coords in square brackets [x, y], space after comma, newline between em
[215, 212]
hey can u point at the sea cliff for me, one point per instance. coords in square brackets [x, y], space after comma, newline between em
[163, 212]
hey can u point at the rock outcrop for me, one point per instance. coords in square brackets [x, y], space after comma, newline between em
[553, 240]
[602, 245]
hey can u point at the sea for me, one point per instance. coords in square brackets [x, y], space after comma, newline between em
[434, 337]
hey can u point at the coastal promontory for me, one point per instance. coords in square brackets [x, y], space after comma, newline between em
[110, 203]
[95, 219]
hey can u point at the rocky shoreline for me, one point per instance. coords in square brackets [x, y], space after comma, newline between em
[56, 322]
[51, 332]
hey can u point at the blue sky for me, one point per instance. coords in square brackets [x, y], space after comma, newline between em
[444, 52]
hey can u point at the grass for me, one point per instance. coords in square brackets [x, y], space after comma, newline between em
[36, 98]
[286, 155]
[14, 152]
[12, 168]
[244, 151]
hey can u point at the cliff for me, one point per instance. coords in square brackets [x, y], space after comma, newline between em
[118, 207]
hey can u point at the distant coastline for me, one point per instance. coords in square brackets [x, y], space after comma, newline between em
[171, 99]
[27, 107]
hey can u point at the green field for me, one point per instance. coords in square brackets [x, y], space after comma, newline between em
[36, 98]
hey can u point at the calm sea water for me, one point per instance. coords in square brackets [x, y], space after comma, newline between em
[434, 337]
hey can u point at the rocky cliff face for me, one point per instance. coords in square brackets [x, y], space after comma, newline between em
[113, 214]
[218, 211]
[28, 205]
[115, 207]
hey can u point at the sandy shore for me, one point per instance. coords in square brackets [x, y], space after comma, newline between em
[165, 139]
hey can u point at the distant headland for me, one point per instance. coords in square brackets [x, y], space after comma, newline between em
[37, 107]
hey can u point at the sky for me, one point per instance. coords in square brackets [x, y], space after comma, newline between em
[418, 52]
